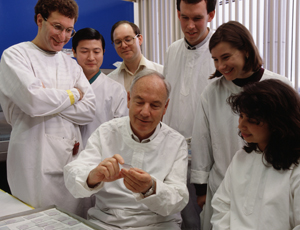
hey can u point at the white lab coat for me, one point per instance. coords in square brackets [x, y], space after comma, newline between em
[118, 73]
[111, 102]
[215, 137]
[188, 72]
[255, 196]
[164, 158]
[45, 126]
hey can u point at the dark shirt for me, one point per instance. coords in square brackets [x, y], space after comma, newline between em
[255, 77]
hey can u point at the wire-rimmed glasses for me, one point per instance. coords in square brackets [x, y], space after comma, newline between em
[70, 32]
[128, 41]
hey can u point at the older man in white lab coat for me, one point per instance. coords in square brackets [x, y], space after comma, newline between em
[45, 97]
[150, 193]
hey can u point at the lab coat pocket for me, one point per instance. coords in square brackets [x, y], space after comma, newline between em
[60, 149]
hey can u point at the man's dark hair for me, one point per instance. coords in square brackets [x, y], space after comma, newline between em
[87, 34]
[135, 28]
[210, 4]
[277, 104]
[68, 8]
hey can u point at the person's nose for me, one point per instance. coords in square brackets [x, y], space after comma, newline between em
[145, 112]
[62, 36]
[221, 65]
[91, 56]
[123, 44]
[191, 24]
[241, 125]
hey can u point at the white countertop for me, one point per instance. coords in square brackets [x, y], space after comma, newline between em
[11, 205]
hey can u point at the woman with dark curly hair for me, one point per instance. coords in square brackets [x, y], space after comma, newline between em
[261, 188]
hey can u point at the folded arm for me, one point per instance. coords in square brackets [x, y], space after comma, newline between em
[26, 90]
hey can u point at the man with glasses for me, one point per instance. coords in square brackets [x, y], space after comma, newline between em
[45, 97]
[127, 40]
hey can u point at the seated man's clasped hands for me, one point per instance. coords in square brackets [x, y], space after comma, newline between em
[107, 171]
[136, 180]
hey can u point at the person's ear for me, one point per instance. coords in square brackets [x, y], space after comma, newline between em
[128, 99]
[178, 14]
[166, 106]
[74, 52]
[140, 37]
[211, 16]
[39, 20]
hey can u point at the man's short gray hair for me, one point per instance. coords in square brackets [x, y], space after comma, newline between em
[148, 72]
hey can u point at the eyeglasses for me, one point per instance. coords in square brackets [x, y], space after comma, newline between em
[70, 32]
[128, 41]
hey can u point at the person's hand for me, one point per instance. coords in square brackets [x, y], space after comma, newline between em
[80, 92]
[108, 170]
[201, 201]
[136, 180]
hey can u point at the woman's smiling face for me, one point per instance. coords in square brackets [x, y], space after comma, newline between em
[229, 61]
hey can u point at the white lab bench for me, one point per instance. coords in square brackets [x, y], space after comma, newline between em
[14, 214]
[11, 205]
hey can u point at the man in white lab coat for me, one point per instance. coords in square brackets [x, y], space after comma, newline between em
[88, 47]
[127, 40]
[136, 166]
[188, 65]
[45, 97]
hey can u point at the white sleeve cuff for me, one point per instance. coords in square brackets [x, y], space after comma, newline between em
[199, 177]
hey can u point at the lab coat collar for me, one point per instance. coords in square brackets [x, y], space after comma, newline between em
[190, 47]
[95, 77]
[51, 53]
[134, 137]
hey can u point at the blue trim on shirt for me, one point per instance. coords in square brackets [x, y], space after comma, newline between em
[95, 77]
